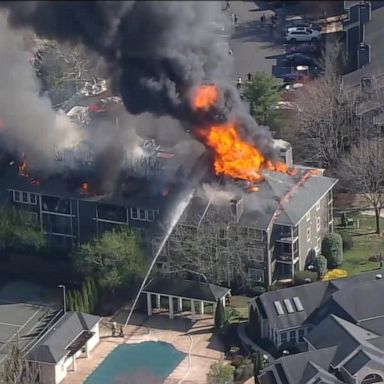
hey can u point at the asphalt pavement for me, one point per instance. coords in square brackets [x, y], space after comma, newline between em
[254, 46]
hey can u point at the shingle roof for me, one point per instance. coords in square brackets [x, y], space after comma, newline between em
[311, 296]
[300, 368]
[344, 297]
[53, 346]
[186, 288]
[334, 331]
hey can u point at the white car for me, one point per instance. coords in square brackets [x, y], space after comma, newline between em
[301, 34]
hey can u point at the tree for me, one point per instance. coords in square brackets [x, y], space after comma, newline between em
[90, 294]
[258, 365]
[326, 125]
[219, 315]
[254, 322]
[17, 370]
[95, 292]
[113, 259]
[332, 249]
[362, 171]
[220, 373]
[262, 93]
[79, 300]
[321, 265]
[69, 301]
[86, 299]
[19, 234]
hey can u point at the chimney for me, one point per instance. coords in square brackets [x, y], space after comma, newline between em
[237, 208]
[365, 11]
[285, 151]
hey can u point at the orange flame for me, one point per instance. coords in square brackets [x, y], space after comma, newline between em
[234, 156]
[206, 96]
[23, 167]
[84, 188]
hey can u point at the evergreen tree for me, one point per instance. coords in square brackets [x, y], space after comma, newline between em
[69, 301]
[332, 249]
[80, 302]
[258, 365]
[91, 297]
[95, 292]
[84, 294]
[219, 315]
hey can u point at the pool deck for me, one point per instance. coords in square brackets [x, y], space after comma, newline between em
[197, 341]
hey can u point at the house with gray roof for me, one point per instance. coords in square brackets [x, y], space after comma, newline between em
[288, 315]
[338, 352]
[74, 335]
[261, 235]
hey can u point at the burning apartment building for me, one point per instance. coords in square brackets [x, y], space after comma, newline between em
[259, 216]
[239, 235]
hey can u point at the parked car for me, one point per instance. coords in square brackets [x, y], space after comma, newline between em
[295, 59]
[299, 34]
[303, 24]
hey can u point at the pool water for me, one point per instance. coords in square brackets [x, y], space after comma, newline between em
[149, 362]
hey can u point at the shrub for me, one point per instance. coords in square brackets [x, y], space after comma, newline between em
[304, 277]
[347, 241]
[332, 249]
[256, 291]
[321, 265]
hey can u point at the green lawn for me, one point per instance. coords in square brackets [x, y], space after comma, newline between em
[240, 303]
[366, 244]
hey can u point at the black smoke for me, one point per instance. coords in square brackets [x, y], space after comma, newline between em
[157, 51]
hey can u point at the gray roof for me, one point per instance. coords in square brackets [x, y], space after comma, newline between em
[300, 368]
[357, 362]
[334, 331]
[260, 207]
[344, 297]
[311, 296]
[53, 346]
[186, 288]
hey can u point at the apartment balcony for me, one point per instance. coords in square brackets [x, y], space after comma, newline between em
[286, 257]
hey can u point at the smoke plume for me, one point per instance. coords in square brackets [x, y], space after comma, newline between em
[31, 124]
[156, 51]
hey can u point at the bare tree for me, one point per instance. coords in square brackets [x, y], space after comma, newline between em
[17, 370]
[363, 172]
[325, 125]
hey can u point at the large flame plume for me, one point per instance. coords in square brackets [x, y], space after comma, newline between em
[234, 156]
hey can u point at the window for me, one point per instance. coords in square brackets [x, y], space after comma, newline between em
[308, 216]
[24, 197]
[56, 205]
[256, 253]
[318, 206]
[309, 234]
[142, 214]
[292, 336]
[318, 243]
[283, 336]
[256, 275]
[301, 334]
[16, 196]
[258, 235]
[318, 223]
[111, 213]
[150, 215]
[29, 217]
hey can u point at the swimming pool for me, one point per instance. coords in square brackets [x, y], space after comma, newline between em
[149, 362]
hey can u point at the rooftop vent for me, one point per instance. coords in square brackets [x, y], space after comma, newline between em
[379, 276]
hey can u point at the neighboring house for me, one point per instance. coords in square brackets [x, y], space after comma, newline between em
[338, 352]
[288, 315]
[257, 237]
[71, 208]
[73, 336]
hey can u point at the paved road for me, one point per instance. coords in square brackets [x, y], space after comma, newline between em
[252, 44]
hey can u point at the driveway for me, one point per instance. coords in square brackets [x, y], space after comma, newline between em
[252, 44]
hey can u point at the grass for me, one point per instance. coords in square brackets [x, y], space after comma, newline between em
[366, 243]
[240, 303]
